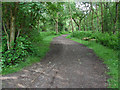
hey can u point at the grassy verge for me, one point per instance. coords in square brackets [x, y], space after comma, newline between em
[43, 48]
[109, 56]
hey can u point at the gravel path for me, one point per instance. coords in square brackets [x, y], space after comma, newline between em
[68, 64]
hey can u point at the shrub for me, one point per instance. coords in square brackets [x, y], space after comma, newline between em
[23, 47]
[81, 34]
[16, 54]
[106, 39]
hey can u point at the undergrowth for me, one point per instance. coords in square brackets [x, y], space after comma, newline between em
[107, 39]
[39, 47]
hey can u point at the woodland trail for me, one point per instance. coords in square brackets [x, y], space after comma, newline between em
[68, 64]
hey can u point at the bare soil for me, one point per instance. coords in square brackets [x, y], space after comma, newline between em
[68, 64]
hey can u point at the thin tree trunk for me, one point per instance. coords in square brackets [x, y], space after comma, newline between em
[12, 30]
[97, 13]
[75, 22]
[7, 21]
[72, 25]
[97, 17]
[18, 33]
[87, 24]
[39, 26]
[116, 17]
[79, 25]
[56, 24]
[71, 17]
[119, 21]
[69, 26]
[102, 18]
[84, 24]
[56, 27]
[8, 45]
[92, 16]
[12, 24]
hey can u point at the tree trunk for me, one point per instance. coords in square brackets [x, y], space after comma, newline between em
[97, 17]
[92, 16]
[8, 45]
[102, 18]
[72, 25]
[12, 31]
[87, 24]
[38, 26]
[84, 24]
[71, 17]
[7, 21]
[69, 26]
[56, 24]
[79, 25]
[116, 17]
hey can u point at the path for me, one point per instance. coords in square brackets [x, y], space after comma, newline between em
[68, 64]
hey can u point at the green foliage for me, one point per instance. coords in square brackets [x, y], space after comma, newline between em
[35, 17]
[63, 32]
[24, 47]
[106, 39]
[29, 18]
[43, 34]
[40, 49]
[16, 54]
[38, 43]
[81, 34]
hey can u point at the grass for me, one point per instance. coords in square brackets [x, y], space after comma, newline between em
[43, 48]
[64, 32]
[109, 56]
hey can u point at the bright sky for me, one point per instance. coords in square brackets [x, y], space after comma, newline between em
[83, 7]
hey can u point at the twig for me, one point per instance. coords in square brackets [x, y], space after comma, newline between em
[18, 33]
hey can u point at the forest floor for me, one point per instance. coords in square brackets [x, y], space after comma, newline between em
[68, 64]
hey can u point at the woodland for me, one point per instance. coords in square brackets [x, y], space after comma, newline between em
[29, 27]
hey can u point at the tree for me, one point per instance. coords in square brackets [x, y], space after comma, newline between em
[55, 10]
[102, 17]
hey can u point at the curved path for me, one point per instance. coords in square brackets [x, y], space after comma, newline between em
[68, 64]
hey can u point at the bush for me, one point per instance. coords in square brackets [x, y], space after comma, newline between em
[16, 54]
[38, 42]
[106, 39]
[81, 34]
[23, 46]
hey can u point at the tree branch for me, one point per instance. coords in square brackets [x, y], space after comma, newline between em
[7, 36]
[75, 22]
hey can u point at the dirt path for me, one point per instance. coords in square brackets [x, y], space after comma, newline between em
[67, 65]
